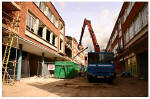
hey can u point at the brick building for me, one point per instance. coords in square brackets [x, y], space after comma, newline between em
[39, 34]
[129, 39]
[72, 50]
[80, 58]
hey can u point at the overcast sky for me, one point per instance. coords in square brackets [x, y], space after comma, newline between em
[103, 16]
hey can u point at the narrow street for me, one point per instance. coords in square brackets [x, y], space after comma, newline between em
[77, 87]
[65, 49]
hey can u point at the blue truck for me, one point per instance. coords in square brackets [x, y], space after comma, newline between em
[101, 65]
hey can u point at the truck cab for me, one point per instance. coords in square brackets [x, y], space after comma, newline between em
[100, 65]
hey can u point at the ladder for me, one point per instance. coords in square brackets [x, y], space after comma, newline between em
[7, 55]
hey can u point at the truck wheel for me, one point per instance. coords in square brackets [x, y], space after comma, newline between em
[110, 80]
[114, 75]
[90, 78]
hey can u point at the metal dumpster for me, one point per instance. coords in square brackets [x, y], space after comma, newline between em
[65, 69]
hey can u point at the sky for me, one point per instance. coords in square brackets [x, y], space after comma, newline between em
[103, 16]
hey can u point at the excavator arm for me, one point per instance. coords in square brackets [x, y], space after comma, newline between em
[95, 43]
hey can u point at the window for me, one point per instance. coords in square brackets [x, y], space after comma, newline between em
[55, 21]
[48, 35]
[137, 24]
[126, 37]
[61, 42]
[144, 15]
[42, 7]
[121, 45]
[100, 58]
[119, 25]
[115, 48]
[54, 40]
[61, 28]
[110, 41]
[56, 24]
[37, 3]
[120, 34]
[49, 14]
[30, 22]
[122, 20]
[125, 15]
[114, 36]
[131, 32]
[129, 8]
[132, 4]
[40, 31]
[52, 18]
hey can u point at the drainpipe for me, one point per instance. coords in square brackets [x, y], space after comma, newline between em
[19, 62]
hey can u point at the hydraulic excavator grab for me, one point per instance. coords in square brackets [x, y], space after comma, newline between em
[95, 43]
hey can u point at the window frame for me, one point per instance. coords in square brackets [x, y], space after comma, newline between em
[49, 14]
[41, 33]
[30, 22]
[61, 44]
[137, 24]
[37, 3]
[131, 31]
[144, 14]
[54, 40]
[49, 35]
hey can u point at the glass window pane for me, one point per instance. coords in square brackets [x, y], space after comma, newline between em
[37, 3]
[128, 8]
[33, 22]
[125, 15]
[127, 36]
[100, 58]
[132, 4]
[56, 23]
[49, 14]
[42, 6]
[131, 32]
[52, 19]
[144, 16]
[28, 20]
[137, 24]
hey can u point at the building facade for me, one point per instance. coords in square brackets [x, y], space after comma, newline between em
[40, 35]
[68, 46]
[79, 58]
[72, 51]
[129, 39]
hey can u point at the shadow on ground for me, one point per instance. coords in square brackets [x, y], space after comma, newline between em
[79, 87]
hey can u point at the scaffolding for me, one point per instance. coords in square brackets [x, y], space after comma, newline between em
[9, 40]
[9, 65]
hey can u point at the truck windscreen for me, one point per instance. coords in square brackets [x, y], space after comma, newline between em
[100, 58]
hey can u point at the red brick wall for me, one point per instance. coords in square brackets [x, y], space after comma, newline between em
[25, 6]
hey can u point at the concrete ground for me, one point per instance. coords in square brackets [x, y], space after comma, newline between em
[77, 87]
